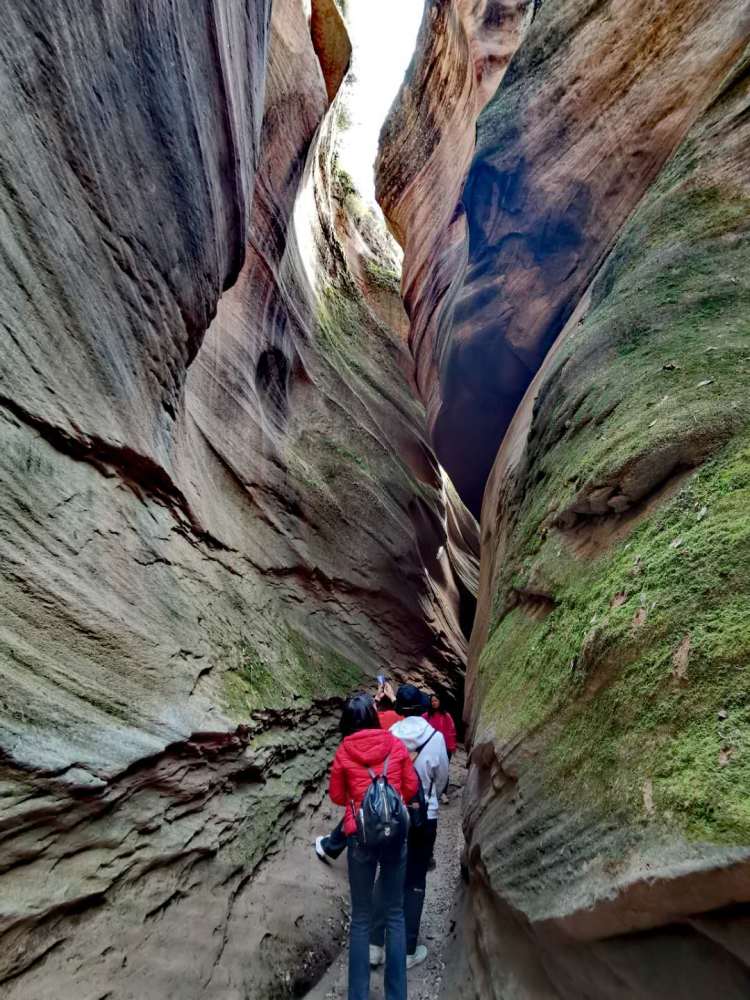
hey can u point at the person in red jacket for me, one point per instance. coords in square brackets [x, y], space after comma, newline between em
[443, 722]
[331, 847]
[366, 747]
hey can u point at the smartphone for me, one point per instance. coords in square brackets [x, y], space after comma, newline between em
[381, 679]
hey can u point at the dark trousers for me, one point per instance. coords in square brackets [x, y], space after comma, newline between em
[421, 844]
[363, 867]
[335, 842]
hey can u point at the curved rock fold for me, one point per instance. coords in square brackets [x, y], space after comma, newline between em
[212, 465]
[578, 330]
[239, 475]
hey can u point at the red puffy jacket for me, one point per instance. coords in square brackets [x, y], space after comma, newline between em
[389, 718]
[444, 724]
[350, 778]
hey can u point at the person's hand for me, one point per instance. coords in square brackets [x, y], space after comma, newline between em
[388, 691]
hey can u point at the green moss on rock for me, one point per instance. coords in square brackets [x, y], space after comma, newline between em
[628, 713]
[296, 669]
[635, 669]
[382, 276]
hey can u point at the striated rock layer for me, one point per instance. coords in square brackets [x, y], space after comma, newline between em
[219, 511]
[606, 212]
[607, 818]
[498, 249]
[427, 143]
[597, 99]
[607, 809]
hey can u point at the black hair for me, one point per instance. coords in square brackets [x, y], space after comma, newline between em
[430, 709]
[359, 713]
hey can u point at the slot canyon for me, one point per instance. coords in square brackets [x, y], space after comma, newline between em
[261, 443]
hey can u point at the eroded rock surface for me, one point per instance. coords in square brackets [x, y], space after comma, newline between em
[219, 511]
[607, 824]
[499, 248]
[427, 145]
[597, 99]
[605, 212]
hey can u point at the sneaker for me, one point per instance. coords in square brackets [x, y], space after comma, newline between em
[444, 800]
[377, 955]
[420, 954]
[320, 850]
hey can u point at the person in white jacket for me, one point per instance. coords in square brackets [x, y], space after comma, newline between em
[430, 757]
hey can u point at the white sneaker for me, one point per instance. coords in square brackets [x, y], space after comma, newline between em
[420, 954]
[377, 955]
[320, 850]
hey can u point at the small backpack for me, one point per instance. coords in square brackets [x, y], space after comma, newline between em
[381, 819]
[419, 804]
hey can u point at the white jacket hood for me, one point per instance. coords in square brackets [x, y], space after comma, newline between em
[412, 731]
[432, 763]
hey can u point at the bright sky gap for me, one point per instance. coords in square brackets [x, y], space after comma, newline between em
[383, 35]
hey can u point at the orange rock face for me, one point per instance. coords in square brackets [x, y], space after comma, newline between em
[426, 149]
[563, 155]
[331, 43]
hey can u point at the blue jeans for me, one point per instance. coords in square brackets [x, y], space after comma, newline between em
[421, 844]
[363, 866]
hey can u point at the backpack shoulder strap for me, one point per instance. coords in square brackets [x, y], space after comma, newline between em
[421, 748]
[419, 751]
[385, 766]
[383, 773]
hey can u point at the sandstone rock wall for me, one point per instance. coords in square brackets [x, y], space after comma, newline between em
[219, 510]
[597, 99]
[586, 305]
[607, 824]
[505, 218]
[427, 145]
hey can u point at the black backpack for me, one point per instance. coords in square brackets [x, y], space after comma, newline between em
[382, 820]
[419, 804]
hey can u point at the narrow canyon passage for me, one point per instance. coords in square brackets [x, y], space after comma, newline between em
[272, 425]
